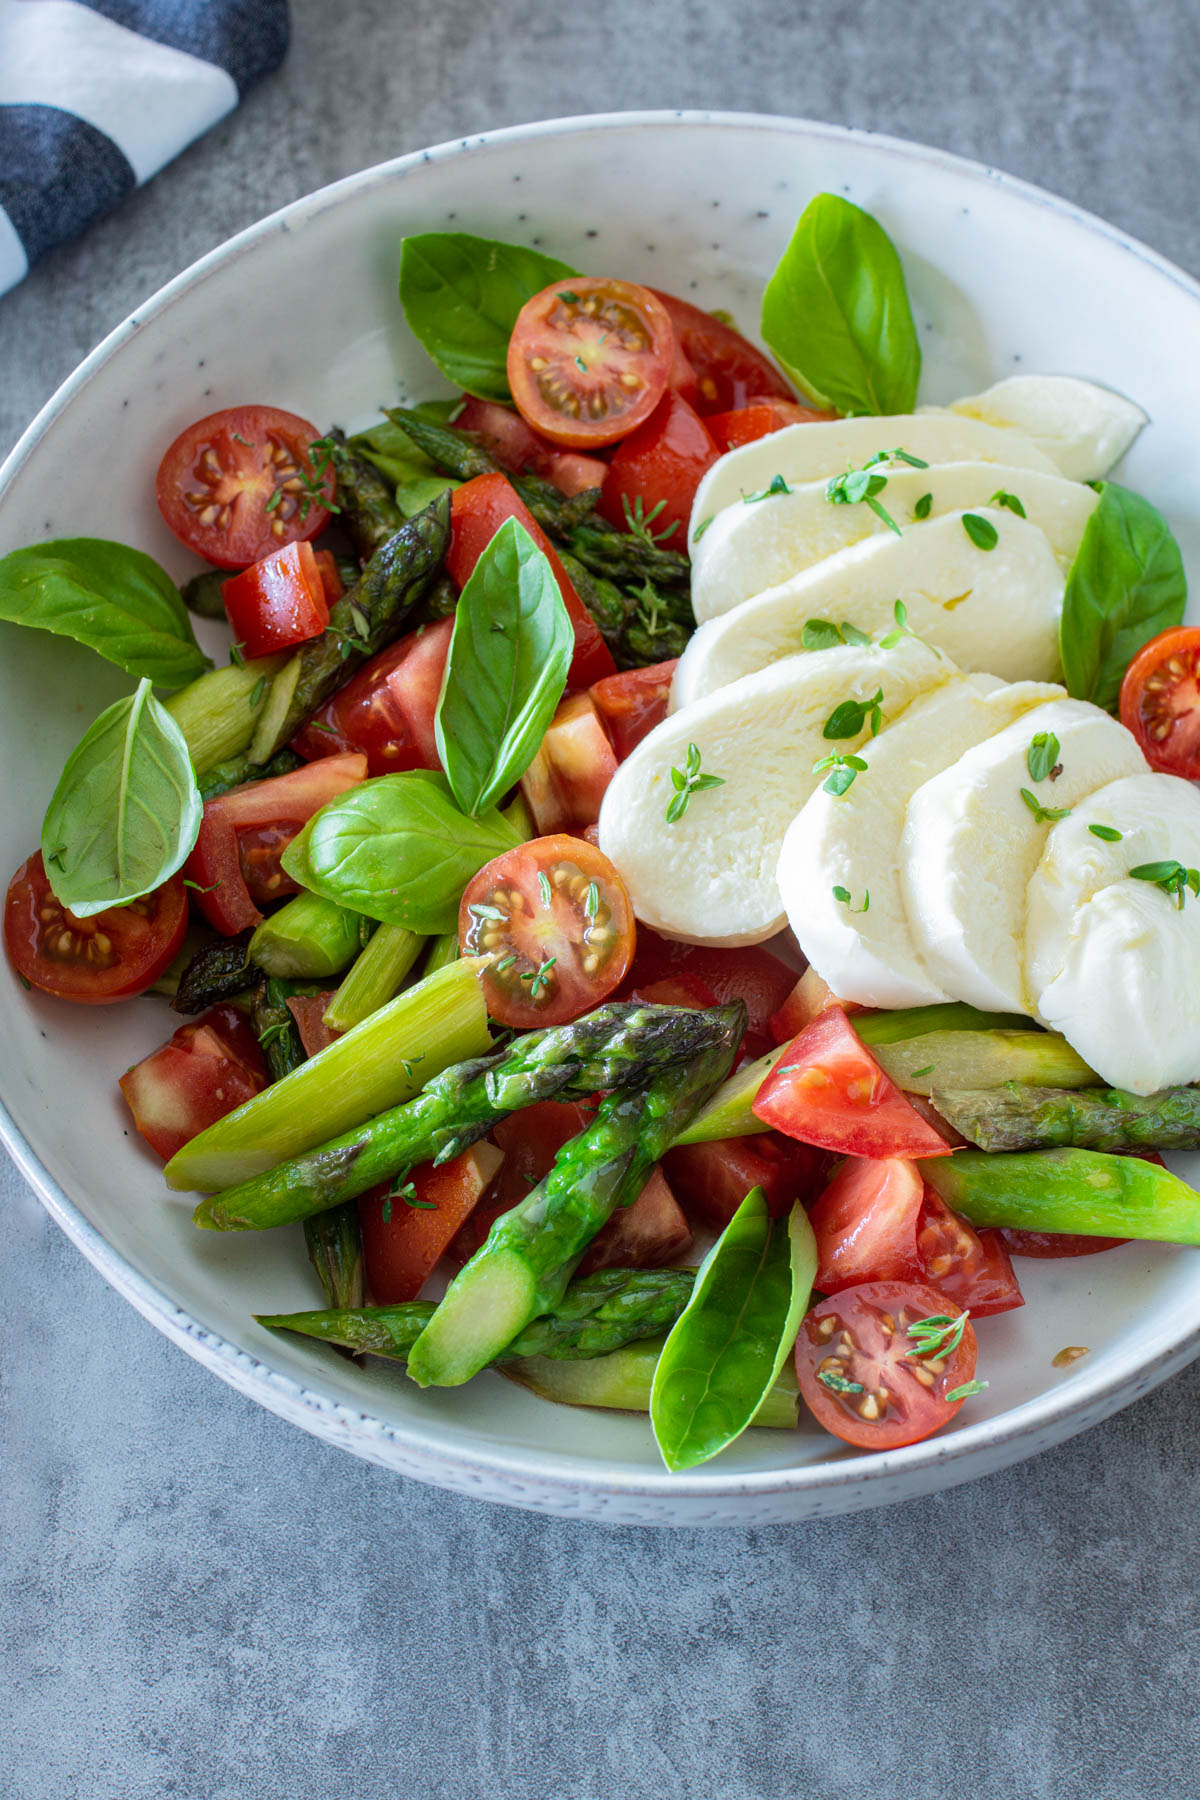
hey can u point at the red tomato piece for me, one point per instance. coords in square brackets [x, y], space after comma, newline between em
[556, 918]
[564, 784]
[92, 961]
[866, 1224]
[240, 483]
[207, 1069]
[647, 1235]
[713, 1179]
[308, 1010]
[675, 990]
[828, 1089]
[633, 702]
[516, 445]
[1160, 701]
[589, 358]
[728, 370]
[655, 472]
[807, 1001]
[751, 973]
[387, 709]
[406, 1232]
[331, 576]
[1054, 1243]
[574, 474]
[758, 419]
[277, 602]
[970, 1267]
[283, 804]
[857, 1372]
[477, 510]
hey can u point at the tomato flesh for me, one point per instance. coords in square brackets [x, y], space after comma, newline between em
[857, 1376]
[633, 702]
[865, 1224]
[512, 442]
[970, 1267]
[565, 783]
[827, 1089]
[726, 368]
[751, 974]
[240, 483]
[556, 920]
[758, 419]
[807, 1001]
[713, 1179]
[589, 358]
[387, 710]
[404, 1238]
[206, 1070]
[654, 474]
[308, 1010]
[277, 602]
[1046, 1244]
[1160, 701]
[92, 961]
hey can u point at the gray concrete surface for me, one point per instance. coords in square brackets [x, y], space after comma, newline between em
[200, 1602]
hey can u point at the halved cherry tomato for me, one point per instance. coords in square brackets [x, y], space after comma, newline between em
[827, 1089]
[387, 709]
[407, 1228]
[556, 919]
[632, 703]
[240, 483]
[96, 960]
[729, 370]
[859, 1376]
[308, 1010]
[588, 359]
[1046, 1244]
[655, 472]
[713, 1179]
[513, 443]
[267, 814]
[1160, 701]
[807, 1001]
[751, 973]
[759, 418]
[970, 1267]
[564, 784]
[865, 1223]
[208, 1068]
[277, 602]
[477, 511]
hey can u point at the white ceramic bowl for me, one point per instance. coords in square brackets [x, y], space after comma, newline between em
[301, 311]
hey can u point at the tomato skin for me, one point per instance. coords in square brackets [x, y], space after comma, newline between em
[216, 483]
[516, 445]
[331, 576]
[208, 1068]
[711, 1180]
[283, 801]
[728, 370]
[1160, 701]
[402, 1244]
[750, 973]
[662, 462]
[565, 783]
[143, 939]
[633, 702]
[387, 709]
[277, 602]
[477, 510]
[546, 936]
[865, 1224]
[970, 1267]
[308, 1010]
[827, 1089]
[758, 419]
[588, 360]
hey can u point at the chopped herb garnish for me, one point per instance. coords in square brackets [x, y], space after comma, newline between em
[320, 725]
[1041, 759]
[923, 507]
[860, 485]
[702, 527]
[239, 439]
[1000, 498]
[688, 781]
[904, 456]
[258, 690]
[1171, 877]
[387, 1210]
[539, 978]
[848, 719]
[778, 486]
[639, 520]
[544, 888]
[480, 911]
[853, 635]
[901, 629]
[821, 634]
[838, 1383]
[568, 298]
[846, 770]
[314, 483]
[842, 896]
[271, 1033]
[927, 1070]
[274, 501]
[591, 905]
[1109, 833]
[237, 655]
[1044, 815]
[939, 1335]
[967, 1391]
[982, 532]
[506, 962]
[188, 882]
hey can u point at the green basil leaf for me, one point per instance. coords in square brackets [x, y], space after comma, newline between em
[113, 599]
[126, 810]
[398, 849]
[461, 296]
[836, 315]
[1126, 585]
[506, 671]
[726, 1348]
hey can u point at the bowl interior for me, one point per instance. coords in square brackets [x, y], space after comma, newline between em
[302, 313]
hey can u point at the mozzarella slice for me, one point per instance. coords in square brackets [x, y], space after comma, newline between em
[853, 844]
[1082, 428]
[816, 451]
[970, 846]
[709, 878]
[757, 544]
[996, 611]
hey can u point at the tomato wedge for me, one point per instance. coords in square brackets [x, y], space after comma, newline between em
[632, 703]
[653, 476]
[240, 483]
[278, 602]
[865, 1224]
[589, 358]
[970, 1267]
[309, 1011]
[565, 783]
[1160, 701]
[513, 443]
[729, 371]
[750, 973]
[209, 1067]
[807, 1001]
[555, 917]
[827, 1089]
[388, 709]
[713, 1179]
[758, 419]
[862, 1374]
[1047, 1244]
[408, 1227]
[92, 961]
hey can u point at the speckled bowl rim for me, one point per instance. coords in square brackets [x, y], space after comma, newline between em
[1049, 1419]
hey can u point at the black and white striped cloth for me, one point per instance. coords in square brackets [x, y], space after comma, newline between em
[96, 95]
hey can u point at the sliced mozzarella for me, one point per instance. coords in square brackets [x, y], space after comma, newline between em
[853, 843]
[996, 612]
[709, 878]
[756, 544]
[970, 846]
[1082, 428]
[814, 452]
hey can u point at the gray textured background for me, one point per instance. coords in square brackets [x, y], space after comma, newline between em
[200, 1602]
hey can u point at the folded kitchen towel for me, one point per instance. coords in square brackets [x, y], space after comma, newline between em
[96, 95]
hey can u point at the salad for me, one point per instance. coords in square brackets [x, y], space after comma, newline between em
[681, 878]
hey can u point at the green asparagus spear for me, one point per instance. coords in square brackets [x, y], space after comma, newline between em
[369, 511]
[334, 1243]
[375, 977]
[1017, 1117]
[202, 594]
[276, 1028]
[218, 712]
[616, 1047]
[531, 1252]
[309, 938]
[598, 1314]
[982, 1059]
[442, 951]
[622, 1381]
[648, 625]
[1080, 1192]
[239, 770]
[368, 616]
[217, 972]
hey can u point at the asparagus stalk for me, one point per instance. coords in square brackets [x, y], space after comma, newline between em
[1080, 1192]
[369, 511]
[309, 938]
[1016, 1117]
[442, 952]
[335, 1250]
[375, 977]
[623, 1380]
[530, 1254]
[982, 1059]
[216, 972]
[598, 1313]
[615, 1047]
[218, 711]
[917, 1021]
[379, 1064]
[276, 1028]
[239, 770]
